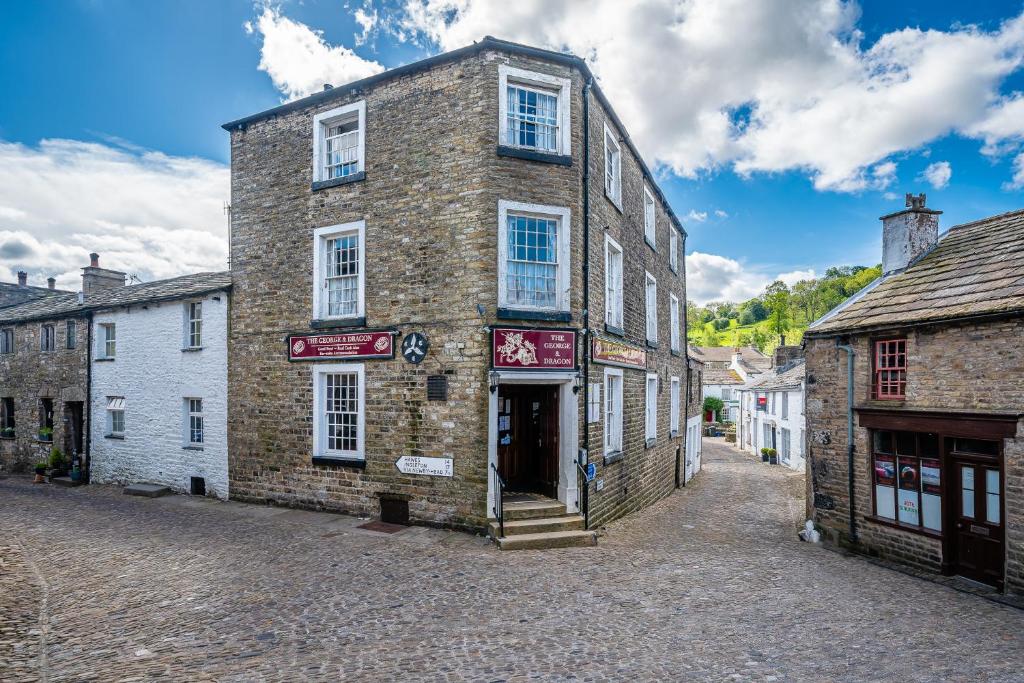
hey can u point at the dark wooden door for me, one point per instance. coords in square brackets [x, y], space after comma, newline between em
[528, 438]
[977, 541]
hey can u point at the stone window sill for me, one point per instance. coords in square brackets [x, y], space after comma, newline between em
[328, 323]
[103, 360]
[650, 443]
[673, 434]
[8, 438]
[651, 245]
[339, 462]
[652, 344]
[893, 524]
[616, 203]
[335, 182]
[191, 448]
[118, 437]
[615, 456]
[192, 349]
[677, 352]
[534, 155]
[550, 316]
[617, 331]
[38, 440]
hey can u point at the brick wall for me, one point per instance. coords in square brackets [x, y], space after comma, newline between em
[963, 368]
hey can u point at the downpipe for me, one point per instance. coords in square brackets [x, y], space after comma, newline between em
[850, 356]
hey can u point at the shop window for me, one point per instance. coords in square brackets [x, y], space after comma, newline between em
[908, 478]
[890, 376]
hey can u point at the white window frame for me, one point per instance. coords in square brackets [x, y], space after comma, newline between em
[539, 81]
[613, 289]
[107, 343]
[674, 417]
[193, 340]
[673, 246]
[564, 217]
[650, 218]
[115, 404]
[613, 176]
[320, 238]
[594, 404]
[200, 415]
[674, 320]
[612, 412]
[651, 407]
[320, 123]
[651, 307]
[785, 405]
[319, 411]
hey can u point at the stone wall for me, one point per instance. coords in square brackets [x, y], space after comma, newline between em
[962, 368]
[154, 375]
[29, 375]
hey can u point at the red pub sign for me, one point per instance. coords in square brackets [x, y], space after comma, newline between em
[348, 345]
[533, 349]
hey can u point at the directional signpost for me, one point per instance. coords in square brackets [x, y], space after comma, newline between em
[431, 467]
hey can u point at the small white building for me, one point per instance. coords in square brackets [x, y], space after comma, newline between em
[158, 397]
[694, 420]
[727, 370]
[772, 413]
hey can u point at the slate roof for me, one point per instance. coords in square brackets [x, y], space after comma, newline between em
[721, 376]
[66, 304]
[974, 270]
[723, 354]
[787, 379]
[12, 294]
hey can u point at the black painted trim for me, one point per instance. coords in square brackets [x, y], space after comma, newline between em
[345, 322]
[102, 360]
[617, 331]
[614, 457]
[192, 349]
[533, 155]
[515, 314]
[334, 182]
[114, 436]
[340, 462]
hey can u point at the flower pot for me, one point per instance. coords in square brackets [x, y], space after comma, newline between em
[764, 457]
[773, 460]
[40, 479]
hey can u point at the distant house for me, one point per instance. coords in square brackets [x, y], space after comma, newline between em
[925, 367]
[726, 370]
[772, 409]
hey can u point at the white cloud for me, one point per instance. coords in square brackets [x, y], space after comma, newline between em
[795, 276]
[1018, 174]
[300, 62]
[145, 212]
[721, 214]
[938, 174]
[697, 216]
[710, 277]
[367, 21]
[761, 87]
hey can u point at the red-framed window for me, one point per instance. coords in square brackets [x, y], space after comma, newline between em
[891, 369]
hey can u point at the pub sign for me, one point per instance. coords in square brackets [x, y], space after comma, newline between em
[515, 348]
[615, 353]
[344, 346]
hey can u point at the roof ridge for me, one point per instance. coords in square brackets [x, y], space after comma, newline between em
[985, 220]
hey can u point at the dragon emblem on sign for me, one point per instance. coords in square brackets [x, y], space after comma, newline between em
[517, 350]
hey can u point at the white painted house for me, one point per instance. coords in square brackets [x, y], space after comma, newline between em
[158, 397]
[694, 420]
[772, 411]
[727, 370]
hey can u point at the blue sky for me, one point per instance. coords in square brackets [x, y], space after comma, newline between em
[765, 153]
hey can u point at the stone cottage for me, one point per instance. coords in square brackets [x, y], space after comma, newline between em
[915, 397]
[772, 410]
[727, 370]
[458, 296]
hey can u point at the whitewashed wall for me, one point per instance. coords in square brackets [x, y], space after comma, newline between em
[154, 375]
[754, 420]
[694, 441]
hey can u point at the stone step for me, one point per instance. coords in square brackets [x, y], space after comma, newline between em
[539, 525]
[550, 539]
[65, 481]
[533, 509]
[146, 490]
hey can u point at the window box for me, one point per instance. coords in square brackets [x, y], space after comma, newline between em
[533, 257]
[534, 112]
[339, 145]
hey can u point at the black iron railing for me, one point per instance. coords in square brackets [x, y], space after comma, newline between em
[499, 495]
[583, 494]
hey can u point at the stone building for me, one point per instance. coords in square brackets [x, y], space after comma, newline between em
[12, 293]
[463, 261]
[694, 418]
[726, 371]
[772, 410]
[925, 368]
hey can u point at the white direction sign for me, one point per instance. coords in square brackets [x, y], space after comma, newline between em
[431, 467]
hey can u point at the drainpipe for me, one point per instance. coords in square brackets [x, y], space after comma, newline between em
[87, 418]
[850, 355]
[686, 363]
[586, 274]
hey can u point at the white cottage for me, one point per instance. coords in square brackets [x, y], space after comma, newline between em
[727, 370]
[772, 410]
[158, 394]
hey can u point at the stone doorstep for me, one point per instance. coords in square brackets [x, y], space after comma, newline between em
[65, 481]
[538, 525]
[146, 490]
[550, 539]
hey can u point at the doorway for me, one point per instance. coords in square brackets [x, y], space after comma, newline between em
[977, 536]
[528, 437]
[73, 424]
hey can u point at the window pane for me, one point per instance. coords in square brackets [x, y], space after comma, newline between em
[341, 149]
[905, 443]
[342, 275]
[967, 491]
[883, 442]
[976, 446]
[342, 411]
[992, 491]
[532, 267]
[532, 119]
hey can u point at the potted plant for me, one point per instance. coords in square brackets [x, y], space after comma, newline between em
[773, 456]
[46, 433]
[40, 471]
[76, 470]
[764, 454]
[7, 432]
[58, 465]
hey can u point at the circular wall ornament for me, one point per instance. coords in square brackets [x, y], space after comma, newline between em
[414, 347]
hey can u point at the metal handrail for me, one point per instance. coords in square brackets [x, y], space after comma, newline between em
[499, 494]
[583, 494]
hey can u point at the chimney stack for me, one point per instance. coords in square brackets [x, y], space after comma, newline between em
[22, 278]
[51, 282]
[786, 356]
[909, 234]
[95, 279]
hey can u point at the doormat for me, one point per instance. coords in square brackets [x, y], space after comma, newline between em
[383, 527]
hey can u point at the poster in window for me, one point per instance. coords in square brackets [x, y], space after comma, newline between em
[931, 477]
[885, 502]
[908, 507]
[885, 470]
[908, 474]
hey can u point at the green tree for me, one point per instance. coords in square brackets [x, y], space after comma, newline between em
[710, 337]
[715, 405]
[776, 297]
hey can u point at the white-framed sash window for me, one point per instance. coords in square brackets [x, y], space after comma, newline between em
[612, 410]
[674, 320]
[339, 411]
[651, 407]
[115, 416]
[612, 282]
[339, 142]
[534, 110]
[673, 249]
[193, 324]
[612, 168]
[674, 403]
[195, 422]
[650, 232]
[533, 256]
[107, 340]
[594, 402]
[339, 267]
[651, 307]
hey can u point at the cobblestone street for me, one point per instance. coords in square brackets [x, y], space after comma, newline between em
[710, 584]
